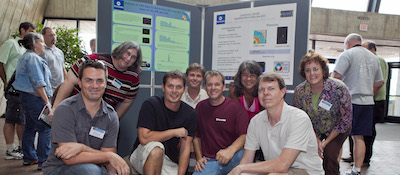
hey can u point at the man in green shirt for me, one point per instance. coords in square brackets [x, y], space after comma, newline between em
[379, 99]
[10, 52]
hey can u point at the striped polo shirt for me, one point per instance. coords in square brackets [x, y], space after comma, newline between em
[113, 95]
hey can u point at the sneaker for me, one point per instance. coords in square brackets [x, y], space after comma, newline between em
[13, 155]
[31, 163]
[351, 172]
[19, 149]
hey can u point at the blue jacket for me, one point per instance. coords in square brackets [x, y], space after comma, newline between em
[32, 72]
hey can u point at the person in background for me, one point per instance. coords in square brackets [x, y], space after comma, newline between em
[54, 58]
[360, 70]
[166, 128]
[327, 102]
[10, 52]
[194, 93]
[244, 89]
[84, 153]
[32, 79]
[93, 45]
[284, 133]
[123, 66]
[379, 100]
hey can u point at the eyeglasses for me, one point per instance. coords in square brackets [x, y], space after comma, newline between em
[315, 69]
[247, 75]
[129, 54]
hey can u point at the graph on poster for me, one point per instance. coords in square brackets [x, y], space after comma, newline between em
[162, 32]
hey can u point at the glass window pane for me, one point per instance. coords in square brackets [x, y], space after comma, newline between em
[389, 7]
[87, 31]
[329, 50]
[390, 54]
[60, 23]
[394, 93]
[352, 5]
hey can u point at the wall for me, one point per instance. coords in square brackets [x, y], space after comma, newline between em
[14, 12]
[341, 23]
[71, 9]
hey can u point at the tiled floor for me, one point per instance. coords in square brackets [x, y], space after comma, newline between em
[386, 158]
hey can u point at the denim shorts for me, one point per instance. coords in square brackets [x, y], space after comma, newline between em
[14, 110]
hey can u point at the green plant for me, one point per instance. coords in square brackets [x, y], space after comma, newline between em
[71, 45]
[67, 41]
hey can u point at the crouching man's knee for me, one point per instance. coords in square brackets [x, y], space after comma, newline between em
[149, 155]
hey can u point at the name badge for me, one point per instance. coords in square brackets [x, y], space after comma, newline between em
[116, 83]
[97, 132]
[326, 105]
[220, 119]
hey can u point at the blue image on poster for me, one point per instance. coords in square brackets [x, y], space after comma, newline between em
[221, 19]
[119, 4]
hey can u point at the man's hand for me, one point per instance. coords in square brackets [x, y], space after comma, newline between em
[181, 133]
[224, 155]
[235, 171]
[200, 164]
[116, 163]
[69, 150]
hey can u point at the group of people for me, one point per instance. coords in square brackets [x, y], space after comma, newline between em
[32, 68]
[253, 131]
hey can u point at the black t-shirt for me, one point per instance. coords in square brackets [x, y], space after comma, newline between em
[155, 116]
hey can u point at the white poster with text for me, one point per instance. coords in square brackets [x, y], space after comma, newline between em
[264, 34]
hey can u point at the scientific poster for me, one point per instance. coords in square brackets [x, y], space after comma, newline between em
[265, 34]
[162, 32]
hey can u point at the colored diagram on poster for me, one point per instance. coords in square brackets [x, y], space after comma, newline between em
[260, 37]
[172, 25]
[168, 60]
[172, 41]
[146, 57]
[157, 29]
[131, 18]
[124, 33]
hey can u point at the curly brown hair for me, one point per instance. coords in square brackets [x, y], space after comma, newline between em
[316, 58]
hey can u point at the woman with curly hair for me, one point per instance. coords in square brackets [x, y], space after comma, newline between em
[328, 103]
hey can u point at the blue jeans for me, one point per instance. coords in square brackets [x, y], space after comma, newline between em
[79, 169]
[33, 106]
[214, 167]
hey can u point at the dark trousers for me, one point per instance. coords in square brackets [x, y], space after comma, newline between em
[331, 153]
[379, 113]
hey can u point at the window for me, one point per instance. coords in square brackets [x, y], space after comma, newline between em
[86, 28]
[351, 5]
[389, 7]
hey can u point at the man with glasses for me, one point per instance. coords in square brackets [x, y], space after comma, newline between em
[123, 66]
[54, 58]
[284, 133]
[85, 129]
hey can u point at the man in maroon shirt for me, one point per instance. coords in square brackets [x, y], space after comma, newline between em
[221, 129]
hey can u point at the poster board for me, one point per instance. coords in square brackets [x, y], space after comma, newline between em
[162, 32]
[265, 34]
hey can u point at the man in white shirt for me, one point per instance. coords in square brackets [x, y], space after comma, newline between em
[193, 93]
[284, 133]
[54, 58]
